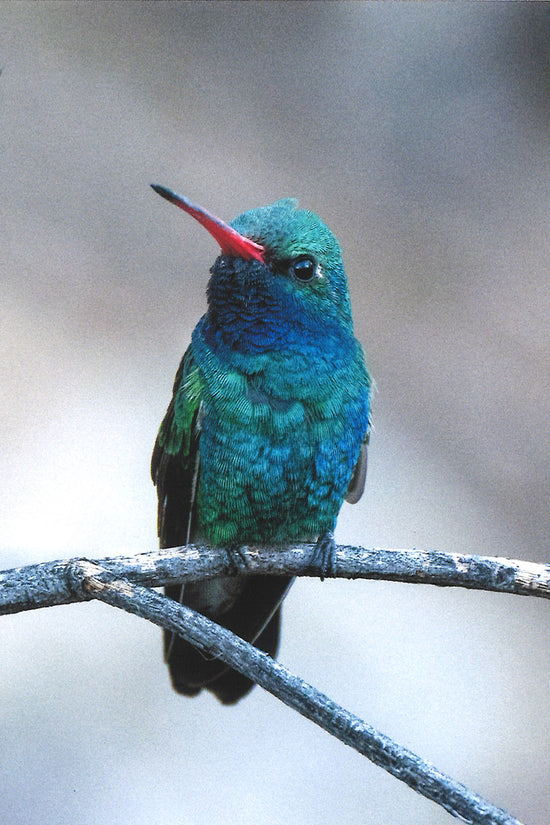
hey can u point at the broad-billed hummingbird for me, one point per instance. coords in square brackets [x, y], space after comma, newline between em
[266, 433]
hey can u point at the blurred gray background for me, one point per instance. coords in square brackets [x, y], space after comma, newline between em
[419, 132]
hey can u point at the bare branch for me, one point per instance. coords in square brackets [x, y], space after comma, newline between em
[52, 583]
[217, 641]
[125, 581]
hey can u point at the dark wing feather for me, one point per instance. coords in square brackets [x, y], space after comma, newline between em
[175, 460]
[357, 483]
[255, 614]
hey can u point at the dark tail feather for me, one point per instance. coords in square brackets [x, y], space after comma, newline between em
[191, 671]
[231, 685]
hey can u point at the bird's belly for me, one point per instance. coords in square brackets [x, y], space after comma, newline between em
[273, 485]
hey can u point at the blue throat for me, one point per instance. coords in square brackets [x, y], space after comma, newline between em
[252, 311]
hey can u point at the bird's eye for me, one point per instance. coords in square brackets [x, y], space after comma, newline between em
[303, 268]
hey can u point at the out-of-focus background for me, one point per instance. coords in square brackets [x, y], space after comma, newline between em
[419, 132]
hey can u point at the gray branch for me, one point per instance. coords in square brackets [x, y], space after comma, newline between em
[125, 582]
[217, 641]
[51, 583]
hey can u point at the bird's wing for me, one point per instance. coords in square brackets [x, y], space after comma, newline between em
[357, 483]
[175, 460]
[255, 613]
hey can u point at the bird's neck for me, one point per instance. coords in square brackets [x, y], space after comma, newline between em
[256, 334]
[257, 326]
[287, 368]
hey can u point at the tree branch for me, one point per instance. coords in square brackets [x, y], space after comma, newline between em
[51, 583]
[124, 582]
[217, 641]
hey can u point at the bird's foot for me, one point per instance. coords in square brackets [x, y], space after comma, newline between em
[236, 560]
[323, 556]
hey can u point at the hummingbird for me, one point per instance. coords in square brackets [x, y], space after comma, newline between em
[267, 430]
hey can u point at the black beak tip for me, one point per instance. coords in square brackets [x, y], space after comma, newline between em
[161, 190]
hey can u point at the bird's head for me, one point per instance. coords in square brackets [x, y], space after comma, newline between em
[279, 267]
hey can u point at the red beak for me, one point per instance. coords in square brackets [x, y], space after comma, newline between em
[230, 241]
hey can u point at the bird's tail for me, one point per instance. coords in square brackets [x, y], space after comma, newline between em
[255, 616]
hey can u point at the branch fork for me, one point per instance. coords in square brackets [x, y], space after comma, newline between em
[127, 582]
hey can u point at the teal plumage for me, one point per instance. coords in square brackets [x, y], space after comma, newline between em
[266, 431]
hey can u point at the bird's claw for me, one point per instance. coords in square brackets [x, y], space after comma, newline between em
[323, 556]
[236, 560]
